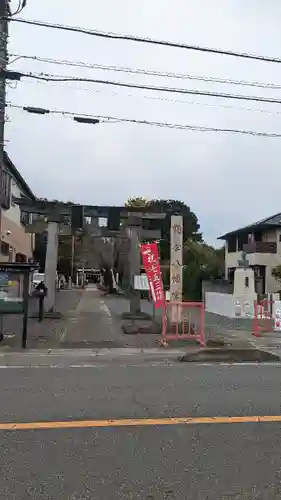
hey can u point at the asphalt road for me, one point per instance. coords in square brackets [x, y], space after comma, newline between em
[198, 461]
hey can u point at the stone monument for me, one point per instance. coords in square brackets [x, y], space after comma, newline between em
[244, 287]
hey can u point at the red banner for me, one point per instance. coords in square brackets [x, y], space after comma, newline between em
[150, 259]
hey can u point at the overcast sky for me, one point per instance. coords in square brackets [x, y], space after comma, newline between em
[228, 180]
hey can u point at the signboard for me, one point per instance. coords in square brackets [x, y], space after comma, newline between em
[150, 259]
[14, 287]
[11, 293]
[141, 282]
[277, 316]
[243, 309]
[4, 278]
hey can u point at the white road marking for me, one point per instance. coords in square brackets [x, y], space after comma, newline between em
[63, 334]
[105, 309]
[144, 365]
[91, 288]
[122, 351]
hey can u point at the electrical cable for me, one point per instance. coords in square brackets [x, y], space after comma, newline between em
[67, 85]
[133, 38]
[58, 78]
[146, 72]
[21, 6]
[114, 119]
[17, 9]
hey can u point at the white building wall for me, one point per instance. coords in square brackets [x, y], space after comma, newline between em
[13, 231]
[13, 213]
[269, 260]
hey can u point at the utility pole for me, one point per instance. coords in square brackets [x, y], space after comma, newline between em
[4, 12]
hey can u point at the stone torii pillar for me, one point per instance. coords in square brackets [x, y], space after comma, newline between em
[133, 231]
[51, 261]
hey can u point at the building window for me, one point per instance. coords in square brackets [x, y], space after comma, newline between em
[5, 196]
[247, 282]
[242, 240]
[25, 218]
[5, 248]
[257, 236]
[231, 244]
[21, 257]
[230, 274]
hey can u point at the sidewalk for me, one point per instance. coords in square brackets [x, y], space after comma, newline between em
[97, 323]
[87, 322]
[235, 333]
[90, 324]
[270, 342]
[39, 335]
[92, 320]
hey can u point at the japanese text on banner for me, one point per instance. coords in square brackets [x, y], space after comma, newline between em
[150, 258]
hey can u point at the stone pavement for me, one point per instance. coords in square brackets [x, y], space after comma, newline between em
[97, 322]
[120, 305]
[236, 332]
[94, 320]
[87, 322]
[270, 342]
[40, 335]
[90, 323]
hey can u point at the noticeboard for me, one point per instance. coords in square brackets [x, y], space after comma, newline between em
[14, 288]
[141, 282]
[11, 291]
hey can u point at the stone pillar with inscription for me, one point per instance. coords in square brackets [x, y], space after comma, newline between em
[176, 263]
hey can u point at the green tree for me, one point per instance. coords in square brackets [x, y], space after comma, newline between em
[137, 201]
[190, 223]
[169, 207]
[276, 273]
[201, 262]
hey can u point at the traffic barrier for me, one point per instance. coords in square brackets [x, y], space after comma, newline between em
[183, 321]
[264, 317]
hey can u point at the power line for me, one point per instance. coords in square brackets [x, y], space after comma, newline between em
[65, 85]
[21, 6]
[146, 72]
[59, 78]
[133, 38]
[114, 119]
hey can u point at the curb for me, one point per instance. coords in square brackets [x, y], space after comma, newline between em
[230, 355]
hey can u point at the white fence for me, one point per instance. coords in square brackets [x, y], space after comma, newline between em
[220, 303]
[226, 304]
[229, 306]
